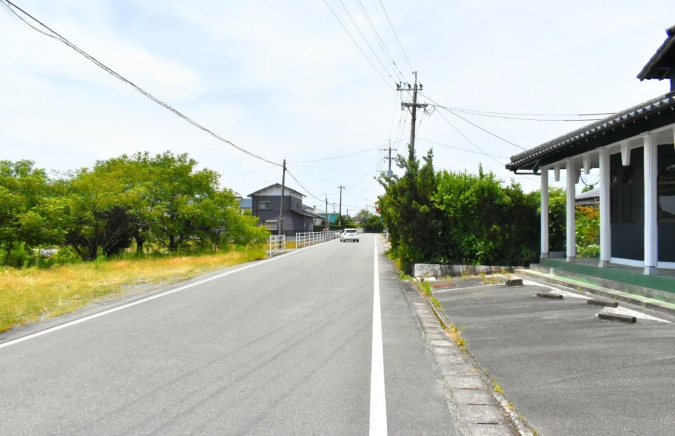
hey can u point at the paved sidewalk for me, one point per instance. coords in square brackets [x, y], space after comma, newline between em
[565, 370]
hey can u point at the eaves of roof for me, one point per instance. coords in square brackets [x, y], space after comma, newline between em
[303, 213]
[652, 70]
[529, 159]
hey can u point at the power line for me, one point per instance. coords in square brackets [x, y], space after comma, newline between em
[525, 119]
[327, 169]
[458, 148]
[470, 141]
[379, 40]
[399, 136]
[359, 47]
[366, 40]
[369, 173]
[486, 131]
[313, 175]
[395, 35]
[393, 117]
[305, 189]
[250, 172]
[57, 36]
[338, 157]
[473, 124]
[389, 30]
[530, 114]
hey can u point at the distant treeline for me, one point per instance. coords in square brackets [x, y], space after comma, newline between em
[157, 204]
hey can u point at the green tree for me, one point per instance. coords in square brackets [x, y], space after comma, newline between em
[409, 213]
[362, 217]
[97, 213]
[557, 201]
[374, 224]
[29, 215]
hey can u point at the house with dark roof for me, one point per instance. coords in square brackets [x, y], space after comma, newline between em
[634, 152]
[266, 204]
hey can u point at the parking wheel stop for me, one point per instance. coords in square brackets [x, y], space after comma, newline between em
[617, 317]
[604, 303]
[550, 295]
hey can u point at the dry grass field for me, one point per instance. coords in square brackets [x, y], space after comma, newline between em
[28, 295]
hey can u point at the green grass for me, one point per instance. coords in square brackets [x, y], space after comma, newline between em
[30, 294]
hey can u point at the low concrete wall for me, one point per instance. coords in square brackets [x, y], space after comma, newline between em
[437, 270]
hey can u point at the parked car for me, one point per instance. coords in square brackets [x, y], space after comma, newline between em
[349, 235]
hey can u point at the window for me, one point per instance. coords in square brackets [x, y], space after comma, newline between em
[271, 224]
[626, 191]
[264, 205]
[666, 190]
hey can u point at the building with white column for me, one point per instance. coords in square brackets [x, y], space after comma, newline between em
[635, 153]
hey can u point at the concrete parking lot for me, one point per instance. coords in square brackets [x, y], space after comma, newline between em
[564, 369]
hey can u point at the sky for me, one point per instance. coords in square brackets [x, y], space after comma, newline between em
[284, 80]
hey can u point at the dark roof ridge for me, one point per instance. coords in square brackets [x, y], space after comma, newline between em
[275, 185]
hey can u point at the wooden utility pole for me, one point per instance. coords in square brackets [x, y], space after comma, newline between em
[281, 205]
[413, 106]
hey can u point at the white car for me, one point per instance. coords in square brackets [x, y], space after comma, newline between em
[349, 235]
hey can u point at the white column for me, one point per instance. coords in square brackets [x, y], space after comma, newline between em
[651, 199]
[605, 212]
[544, 212]
[571, 174]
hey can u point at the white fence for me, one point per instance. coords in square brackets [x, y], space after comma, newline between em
[312, 238]
[277, 244]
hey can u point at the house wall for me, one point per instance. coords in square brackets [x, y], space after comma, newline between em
[293, 222]
[273, 213]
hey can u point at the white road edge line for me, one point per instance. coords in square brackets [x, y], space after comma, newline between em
[145, 300]
[378, 401]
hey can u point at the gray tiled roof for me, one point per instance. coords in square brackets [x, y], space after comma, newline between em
[666, 101]
[593, 193]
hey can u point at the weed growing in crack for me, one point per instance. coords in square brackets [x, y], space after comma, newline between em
[426, 288]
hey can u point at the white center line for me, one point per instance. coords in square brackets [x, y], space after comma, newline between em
[144, 300]
[378, 402]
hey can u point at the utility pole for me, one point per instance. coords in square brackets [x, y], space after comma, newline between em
[281, 205]
[327, 223]
[413, 106]
[340, 210]
[389, 173]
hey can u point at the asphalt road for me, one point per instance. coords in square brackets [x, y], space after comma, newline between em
[280, 347]
[568, 372]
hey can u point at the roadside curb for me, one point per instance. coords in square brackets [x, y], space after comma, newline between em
[638, 300]
[470, 390]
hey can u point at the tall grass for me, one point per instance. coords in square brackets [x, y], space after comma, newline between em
[31, 294]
